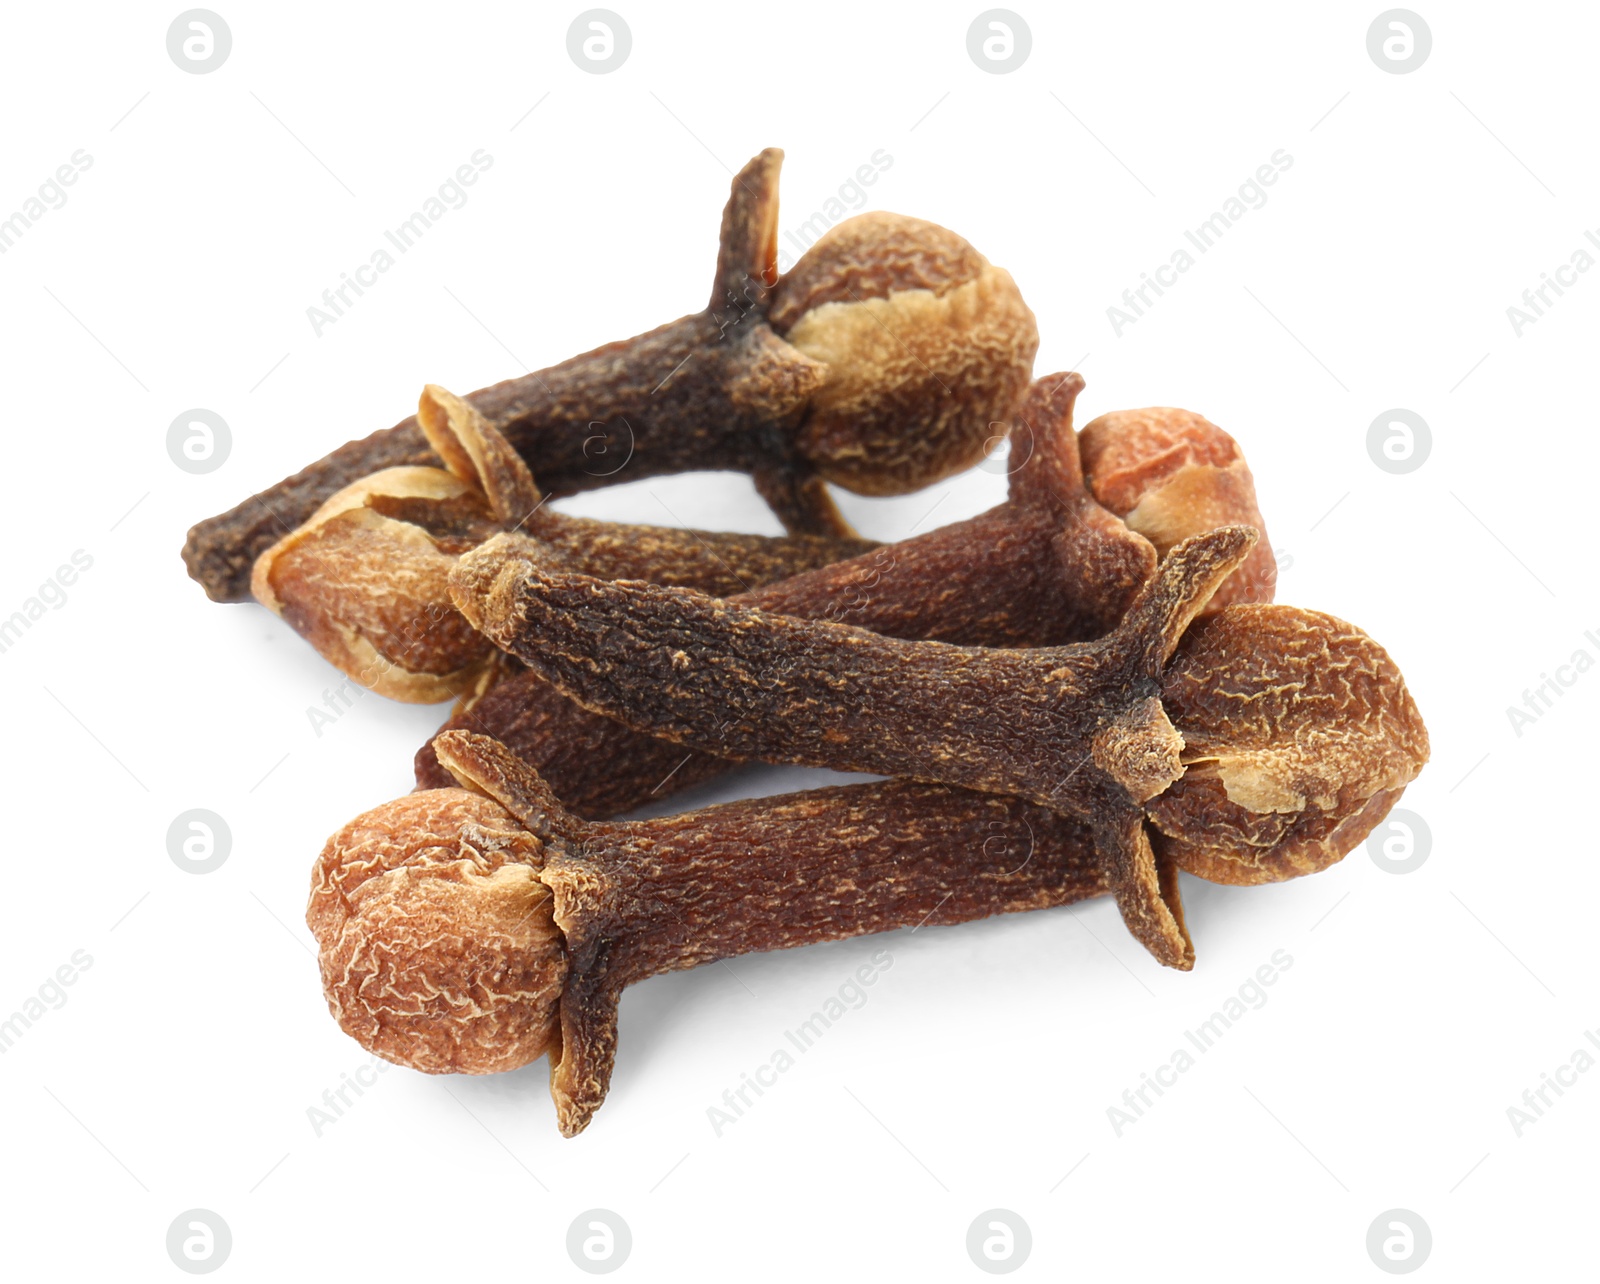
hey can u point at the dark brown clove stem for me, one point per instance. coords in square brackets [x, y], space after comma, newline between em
[721, 563]
[449, 924]
[1081, 728]
[1048, 566]
[563, 741]
[365, 579]
[877, 362]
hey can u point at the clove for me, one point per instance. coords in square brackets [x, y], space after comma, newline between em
[877, 362]
[1050, 565]
[365, 579]
[1171, 473]
[474, 929]
[1300, 723]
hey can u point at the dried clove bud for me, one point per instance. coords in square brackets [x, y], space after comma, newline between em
[1299, 736]
[365, 580]
[473, 932]
[1298, 720]
[1047, 567]
[877, 362]
[1170, 474]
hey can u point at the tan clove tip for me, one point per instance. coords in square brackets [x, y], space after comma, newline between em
[474, 451]
[436, 939]
[1140, 750]
[481, 583]
[364, 581]
[1170, 474]
[1184, 582]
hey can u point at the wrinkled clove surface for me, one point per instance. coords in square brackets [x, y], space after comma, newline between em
[473, 930]
[877, 362]
[1170, 474]
[365, 579]
[1047, 567]
[1301, 722]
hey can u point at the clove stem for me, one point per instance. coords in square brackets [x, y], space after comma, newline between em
[447, 926]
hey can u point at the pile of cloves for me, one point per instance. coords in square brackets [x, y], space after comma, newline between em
[1083, 690]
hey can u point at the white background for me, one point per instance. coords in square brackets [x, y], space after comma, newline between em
[1418, 1008]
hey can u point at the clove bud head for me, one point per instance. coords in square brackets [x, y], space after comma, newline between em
[1299, 734]
[365, 581]
[1170, 474]
[925, 344]
[436, 941]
